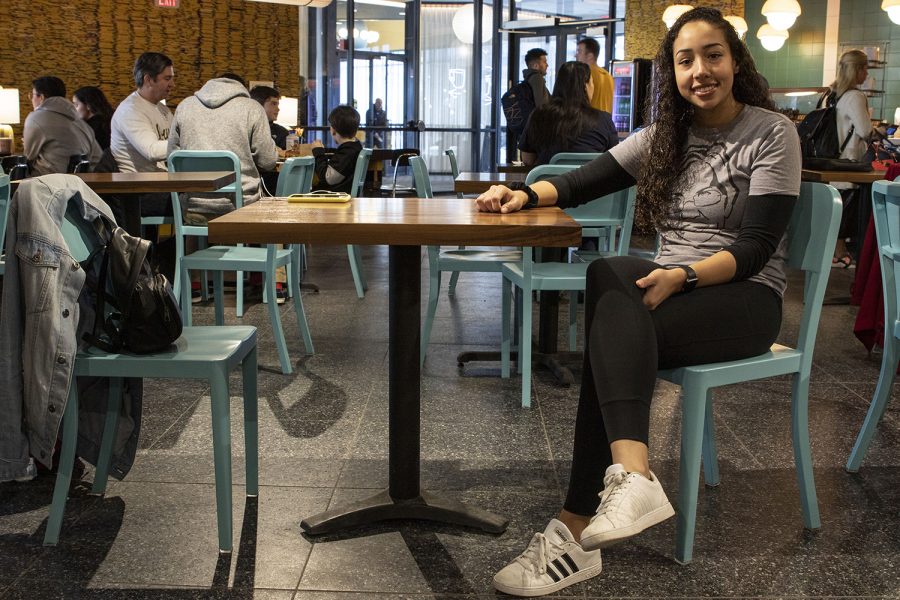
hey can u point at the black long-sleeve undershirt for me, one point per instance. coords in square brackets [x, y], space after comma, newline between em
[764, 222]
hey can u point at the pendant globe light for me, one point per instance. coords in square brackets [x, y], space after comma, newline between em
[781, 14]
[893, 10]
[740, 25]
[671, 14]
[771, 39]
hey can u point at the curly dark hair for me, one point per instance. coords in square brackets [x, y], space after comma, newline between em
[671, 116]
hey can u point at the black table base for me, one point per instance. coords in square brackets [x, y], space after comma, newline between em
[404, 498]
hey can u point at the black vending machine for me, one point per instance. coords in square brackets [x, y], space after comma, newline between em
[631, 79]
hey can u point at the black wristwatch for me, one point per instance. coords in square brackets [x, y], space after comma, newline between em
[518, 186]
[690, 281]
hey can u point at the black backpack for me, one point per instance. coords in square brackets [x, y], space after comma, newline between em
[517, 103]
[134, 307]
[819, 133]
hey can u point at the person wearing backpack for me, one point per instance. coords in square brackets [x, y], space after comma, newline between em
[854, 126]
[568, 123]
[522, 98]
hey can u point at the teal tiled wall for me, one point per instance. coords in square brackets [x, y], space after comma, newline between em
[800, 61]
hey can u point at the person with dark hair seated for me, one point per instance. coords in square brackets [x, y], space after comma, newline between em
[53, 133]
[334, 167]
[270, 98]
[94, 109]
[567, 123]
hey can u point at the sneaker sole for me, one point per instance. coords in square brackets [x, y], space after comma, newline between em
[582, 575]
[608, 538]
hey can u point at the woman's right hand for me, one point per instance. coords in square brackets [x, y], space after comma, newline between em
[501, 199]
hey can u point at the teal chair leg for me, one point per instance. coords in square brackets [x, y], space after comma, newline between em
[204, 277]
[573, 320]
[186, 305]
[251, 425]
[505, 328]
[221, 426]
[219, 295]
[302, 323]
[434, 290]
[693, 412]
[710, 454]
[64, 473]
[802, 453]
[878, 406]
[359, 279]
[525, 348]
[277, 331]
[239, 294]
[451, 288]
[101, 475]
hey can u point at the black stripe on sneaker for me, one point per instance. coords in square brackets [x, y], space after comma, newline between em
[561, 568]
[572, 566]
[553, 574]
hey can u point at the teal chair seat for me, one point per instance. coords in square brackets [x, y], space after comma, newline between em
[886, 214]
[811, 237]
[456, 260]
[207, 353]
[614, 211]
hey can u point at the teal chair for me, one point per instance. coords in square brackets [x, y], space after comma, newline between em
[295, 177]
[203, 160]
[219, 259]
[4, 214]
[454, 170]
[353, 253]
[481, 261]
[811, 236]
[208, 353]
[886, 214]
[573, 158]
[530, 276]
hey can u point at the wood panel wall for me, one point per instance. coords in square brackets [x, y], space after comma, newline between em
[95, 42]
[644, 27]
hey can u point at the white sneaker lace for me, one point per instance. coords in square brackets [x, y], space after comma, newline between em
[613, 489]
[538, 553]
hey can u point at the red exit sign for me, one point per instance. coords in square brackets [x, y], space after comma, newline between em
[168, 3]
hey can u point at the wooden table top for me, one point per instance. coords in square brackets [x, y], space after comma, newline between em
[476, 183]
[140, 183]
[844, 176]
[393, 221]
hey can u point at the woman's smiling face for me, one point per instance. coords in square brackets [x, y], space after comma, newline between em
[704, 67]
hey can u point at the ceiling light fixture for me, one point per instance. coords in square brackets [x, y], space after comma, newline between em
[771, 39]
[893, 10]
[671, 14]
[740, 25]
[781, 14]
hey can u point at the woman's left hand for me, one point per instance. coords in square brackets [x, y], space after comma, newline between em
[660, 284]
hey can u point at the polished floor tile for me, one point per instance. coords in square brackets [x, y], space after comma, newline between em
[323, 444]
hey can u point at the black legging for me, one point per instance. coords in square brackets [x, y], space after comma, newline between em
[626, 343]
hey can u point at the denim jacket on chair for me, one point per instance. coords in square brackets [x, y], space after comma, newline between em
[40, 333]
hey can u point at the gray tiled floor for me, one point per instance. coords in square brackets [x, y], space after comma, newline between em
[323, 443]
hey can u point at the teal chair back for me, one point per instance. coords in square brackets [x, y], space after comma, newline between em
[359, 174]
[573, 158]
[4, 214]
[421, 179]
[454, 166]
[886, 214]
[209, 160]
[296, 176]
[812, 232]
[613, 211]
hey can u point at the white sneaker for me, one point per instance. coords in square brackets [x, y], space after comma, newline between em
[629, 504]
[552, 561]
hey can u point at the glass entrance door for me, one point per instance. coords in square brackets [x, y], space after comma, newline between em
[378, 77]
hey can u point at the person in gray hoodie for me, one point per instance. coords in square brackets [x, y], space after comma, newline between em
[222, 116]
[53, 133]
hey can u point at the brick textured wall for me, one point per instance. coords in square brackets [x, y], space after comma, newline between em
[644, 27]
[95, 42]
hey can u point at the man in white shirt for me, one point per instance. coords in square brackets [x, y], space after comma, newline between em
[140, 125]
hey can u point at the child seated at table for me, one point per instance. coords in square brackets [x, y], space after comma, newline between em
[335, 166]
